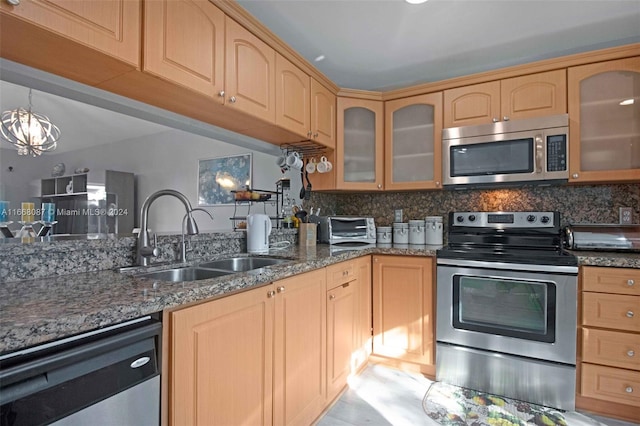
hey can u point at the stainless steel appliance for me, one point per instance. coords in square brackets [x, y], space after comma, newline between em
[609, 237]
[347, 230]
[507, 307]
[106, 377]
[531, 150]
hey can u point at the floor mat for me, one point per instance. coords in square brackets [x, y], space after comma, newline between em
[452, 405]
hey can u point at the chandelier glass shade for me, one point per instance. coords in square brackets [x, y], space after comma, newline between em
[31, 133]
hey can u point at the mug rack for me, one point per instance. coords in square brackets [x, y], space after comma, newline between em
[306, 148]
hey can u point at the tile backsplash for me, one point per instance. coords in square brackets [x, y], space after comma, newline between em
[576, 204]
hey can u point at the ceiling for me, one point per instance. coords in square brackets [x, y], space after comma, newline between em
[367, 44]
[386, 44]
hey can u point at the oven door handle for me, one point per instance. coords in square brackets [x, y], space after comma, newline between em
[508, 266]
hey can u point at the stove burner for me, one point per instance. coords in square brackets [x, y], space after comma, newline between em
[532, 242]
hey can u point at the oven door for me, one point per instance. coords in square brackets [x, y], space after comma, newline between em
[518, 312]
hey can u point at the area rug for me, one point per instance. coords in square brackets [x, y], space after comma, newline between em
[452, 405]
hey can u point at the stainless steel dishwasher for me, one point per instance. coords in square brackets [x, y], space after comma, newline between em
[105, 377]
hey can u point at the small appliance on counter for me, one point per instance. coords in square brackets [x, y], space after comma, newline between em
[603, 237]
[347, 230]
[258, 231]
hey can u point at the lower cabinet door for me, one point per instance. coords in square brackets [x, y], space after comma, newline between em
[611, 384]
[221, 362]
[300, 348]
[403, 325]
[341, 321]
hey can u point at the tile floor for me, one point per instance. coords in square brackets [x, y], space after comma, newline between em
[382, 396]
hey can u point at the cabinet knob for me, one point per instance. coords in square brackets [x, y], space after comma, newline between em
[631, 353]
[505, 118]
[271, 293]
[315, 135]
[221, 93]
[379, 186]
[629, 314]
[630, 282]
[629, 389]
[575, 176]
[281, 289]
[437, 183]
[345, 273]
[495, 119]
[232, 99]
[332, 296]
[309, 133]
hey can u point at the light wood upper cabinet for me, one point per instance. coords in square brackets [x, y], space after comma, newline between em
[323, 115]
[170, 27]
[250, 73]
[413, 143]
[509, 99]
[360, 145]
[477, 104]
[604, 143]
[403, 326]
[112, 27]
[303, 105]
[293, 101]
[221, 363]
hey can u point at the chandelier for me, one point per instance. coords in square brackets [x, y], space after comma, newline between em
[31, 133]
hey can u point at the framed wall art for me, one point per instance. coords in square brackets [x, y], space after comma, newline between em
[217, 177]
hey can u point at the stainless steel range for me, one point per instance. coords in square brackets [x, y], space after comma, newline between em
[507, 307]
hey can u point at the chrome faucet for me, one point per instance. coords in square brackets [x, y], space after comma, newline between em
[145, 249]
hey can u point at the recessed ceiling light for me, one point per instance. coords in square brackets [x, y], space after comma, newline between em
[319, 58]
[416, 1]
[627, 102]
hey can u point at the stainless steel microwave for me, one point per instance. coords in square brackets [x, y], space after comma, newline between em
[533, 150]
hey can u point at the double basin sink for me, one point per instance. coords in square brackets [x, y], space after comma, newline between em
[213, 269]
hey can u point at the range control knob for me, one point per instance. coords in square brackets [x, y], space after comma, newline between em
[460, 219]
[545, 219]
[531, 218]
[472, 218]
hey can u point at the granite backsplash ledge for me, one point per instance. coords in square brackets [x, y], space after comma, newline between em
[44, 258]
[576, 203]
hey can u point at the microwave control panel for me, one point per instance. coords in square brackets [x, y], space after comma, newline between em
[557, 153]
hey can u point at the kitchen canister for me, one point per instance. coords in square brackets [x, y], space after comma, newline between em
[433, 230]
[384, 235]
[400, 233]
[416, 232]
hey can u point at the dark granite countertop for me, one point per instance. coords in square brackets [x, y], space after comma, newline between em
[44, 309]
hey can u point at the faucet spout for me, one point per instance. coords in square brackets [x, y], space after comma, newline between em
[145, 250]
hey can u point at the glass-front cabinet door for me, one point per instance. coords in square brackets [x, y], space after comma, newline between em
[360, 145]
[413, 142]
[604, 127]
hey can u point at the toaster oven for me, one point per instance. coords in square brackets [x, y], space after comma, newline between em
[346, 229]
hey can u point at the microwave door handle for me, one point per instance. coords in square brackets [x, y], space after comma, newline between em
[539, 153]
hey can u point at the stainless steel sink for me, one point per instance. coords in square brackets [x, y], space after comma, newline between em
[213, 269]
[243, 264]
[183, 274]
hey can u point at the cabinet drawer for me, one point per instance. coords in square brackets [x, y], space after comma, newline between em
[611, 348]
[340, 273]
[614, 311]
[611, 280]
[611, 384]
